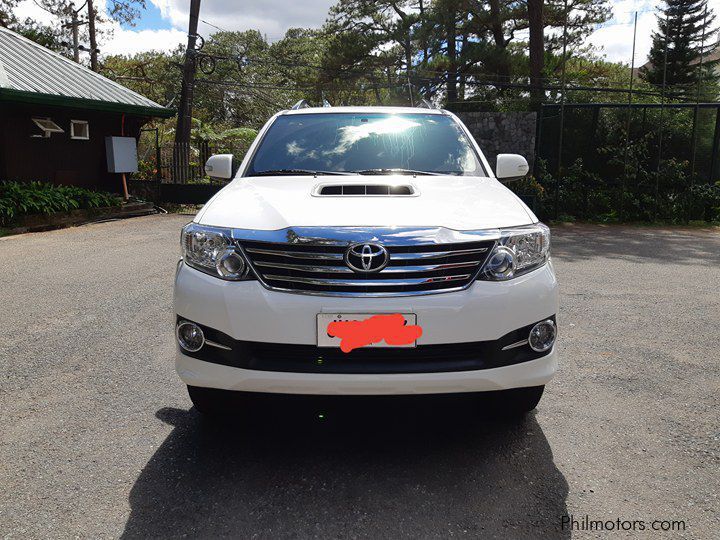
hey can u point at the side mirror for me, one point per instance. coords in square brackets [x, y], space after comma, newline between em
[511, 167]
[220, 166]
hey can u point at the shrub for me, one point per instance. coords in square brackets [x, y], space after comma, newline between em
[19, 199]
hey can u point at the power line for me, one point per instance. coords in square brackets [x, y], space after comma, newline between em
[214, 26]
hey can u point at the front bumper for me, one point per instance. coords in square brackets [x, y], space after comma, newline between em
[198, 373]
[484, 312]
[247, 311]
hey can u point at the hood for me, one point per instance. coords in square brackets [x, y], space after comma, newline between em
[455, 202]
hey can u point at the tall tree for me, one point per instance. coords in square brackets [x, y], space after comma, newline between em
[452, 47]
[536, 49]
[682, 38]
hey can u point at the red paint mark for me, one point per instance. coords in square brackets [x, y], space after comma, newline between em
[391, 328]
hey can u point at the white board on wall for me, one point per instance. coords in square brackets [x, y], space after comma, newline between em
[121, 154]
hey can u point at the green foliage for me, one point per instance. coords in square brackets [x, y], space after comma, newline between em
[19, 199]
[229, 139]
[153, 74]
[608, 180]
[531, 191]
[706, 201]
[47, 36]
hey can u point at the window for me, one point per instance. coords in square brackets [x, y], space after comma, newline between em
[348, 142]
[79, 129]
[47, 126]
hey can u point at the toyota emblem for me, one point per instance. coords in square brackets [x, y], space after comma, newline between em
[366, 257]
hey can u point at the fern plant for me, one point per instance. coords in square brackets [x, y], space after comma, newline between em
[19, 199]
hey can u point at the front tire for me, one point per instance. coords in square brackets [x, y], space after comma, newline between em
[211, 401]
[516, 402]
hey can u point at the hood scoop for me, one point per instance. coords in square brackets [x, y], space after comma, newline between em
[365, 190]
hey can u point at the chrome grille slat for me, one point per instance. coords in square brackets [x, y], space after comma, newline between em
[298, 254]
[303, 268]
[436, 254]
[366, 282]
[386, 270]
[422, 262]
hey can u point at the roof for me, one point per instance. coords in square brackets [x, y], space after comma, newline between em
[713, 55]
[710, 56]
[30, 73]
[365, 110]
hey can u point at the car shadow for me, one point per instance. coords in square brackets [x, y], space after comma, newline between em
[423, 466]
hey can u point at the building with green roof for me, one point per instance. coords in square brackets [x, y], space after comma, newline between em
[55, 115]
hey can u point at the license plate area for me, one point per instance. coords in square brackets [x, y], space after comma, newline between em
[324, 319]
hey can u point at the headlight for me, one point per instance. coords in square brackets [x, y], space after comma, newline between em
[518, 251]
[212, 250]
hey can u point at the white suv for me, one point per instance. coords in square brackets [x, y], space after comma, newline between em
[366, 250]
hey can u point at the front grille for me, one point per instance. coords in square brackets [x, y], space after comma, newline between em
[320, 268]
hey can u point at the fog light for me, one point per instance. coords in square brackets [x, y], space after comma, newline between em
[190, 336]
[542, 336]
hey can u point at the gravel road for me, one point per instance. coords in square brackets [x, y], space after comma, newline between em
[98, 438]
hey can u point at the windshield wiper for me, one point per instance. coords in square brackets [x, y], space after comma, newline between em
[397, 171]
[280, 172]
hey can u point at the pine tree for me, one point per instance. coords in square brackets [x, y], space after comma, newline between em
[684, 32]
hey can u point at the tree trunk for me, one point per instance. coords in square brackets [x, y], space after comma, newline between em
[425, 51]
[496, 28]
[93, 37]
[496, 24]
[537, 51]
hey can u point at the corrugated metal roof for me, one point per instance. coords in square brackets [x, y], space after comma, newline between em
[26, 66]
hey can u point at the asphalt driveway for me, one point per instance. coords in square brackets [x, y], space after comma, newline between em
[98, 437]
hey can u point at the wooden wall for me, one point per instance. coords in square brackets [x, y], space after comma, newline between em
[60, 159]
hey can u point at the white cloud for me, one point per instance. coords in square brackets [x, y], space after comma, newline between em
[28, 9]
[271, 17]
[117, 40]
[129, 42]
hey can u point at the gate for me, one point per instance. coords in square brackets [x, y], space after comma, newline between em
[173, 173]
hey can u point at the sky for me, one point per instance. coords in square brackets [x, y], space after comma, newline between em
[163, 24]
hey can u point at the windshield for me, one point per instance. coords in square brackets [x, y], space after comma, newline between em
[379, 143]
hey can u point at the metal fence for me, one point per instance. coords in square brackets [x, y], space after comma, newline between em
[178, 163]
[640, 161]
[174, 172]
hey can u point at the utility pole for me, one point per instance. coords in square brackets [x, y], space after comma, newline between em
[75, 37]
[182, 133]
[74, 26]
[537, 52]
[93, 38]
[184, 117]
